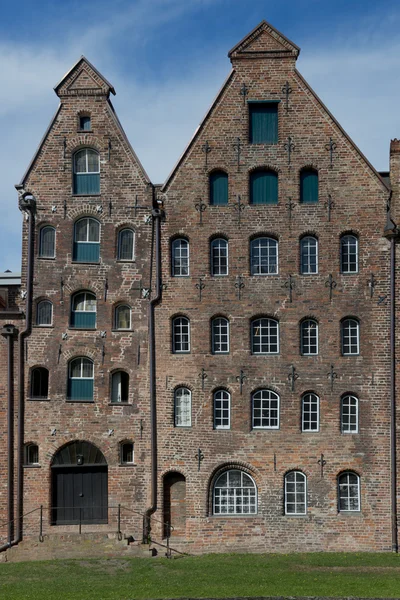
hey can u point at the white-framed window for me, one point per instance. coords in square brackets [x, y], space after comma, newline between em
[350, 337]
[44, 313]
[295, 493]
[122, 317]
[127, 454]
[86, 240]
[235, 493]
[264, 336]
[180, 257]
[219, 257]
[183, 407]
[309, 337]
[349, 254]
[86, 172]
[81, 379]
[31, 454]
[119, 387]
[264, 256]
[83, 310]
[220, 335]
[180, 335]
[349, 492]
[310, 412]
[349, 414]
[308, 255]
[126, 245]
[47, 242]
[222, 409]
[265, 408]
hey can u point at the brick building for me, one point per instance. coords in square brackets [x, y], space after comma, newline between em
[213, 353]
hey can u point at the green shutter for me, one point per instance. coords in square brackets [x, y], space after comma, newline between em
[87, 183]
[308, 187]
[80, 389]
[263, 187]
[84, 320]
[86, 252]
[263, 120]
[218, 188]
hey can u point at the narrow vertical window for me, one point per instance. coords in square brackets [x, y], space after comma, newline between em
[127, 456]
[349, 254]
[308, 255]
[86, 240]
[84, 123]
[86, 172]
[80, 379]
[122, 317]
[263, 122]
[263, 187]
[295, 493]
[264, 336]
[264, 256]
[349, 492]
[218, 188]
[350, 337]
[180, 335]
[119, 387]
[219, 257]
[222, 410]
[265, 410]
[310, 412]
[180, 258]
[83, 311]
[309, 337]
[126, 239]
[44, 313]
[31, 454]
[349, 414]
[183, 407]
[47, 242]
[220, 336]
[39, 383]
[309, 186]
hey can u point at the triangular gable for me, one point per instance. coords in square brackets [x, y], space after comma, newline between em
[264, 41]
[83, 78]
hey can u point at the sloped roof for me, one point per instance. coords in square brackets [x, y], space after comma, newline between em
[75, 67]
[248, 45]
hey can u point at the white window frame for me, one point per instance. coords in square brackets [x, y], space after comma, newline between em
[87, 241]
[183, 418]
[27, 462]
[116, 311]
[254, 269]
[174, 335]
[174, 248]
[310, 398]
[214, 335]
[306, 240]
[120, 232]
[116, 384]
[237, 496]
[342, 327]
[86, 161]
[273, 396]
[347, 497]
[302, 345]
[225, 413]
[349, 430]
[81, 358]
[85, 302]
[345, 240]
[214, 246]
[268, 327]
[296, 494]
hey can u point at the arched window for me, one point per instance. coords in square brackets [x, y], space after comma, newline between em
[349, 414]
[295, 493]
[80, 379]
[264, 256]
[31, 454]
[119, 387]
[126, 453]
[350, 337]
[265, 410]
[180, 335]
[309, 337]
[122, 317]
[310, 412]
[234, 493]
[308, 186]
[264, 336]
[218, 188]
[349, 492]
[308, 255]
[86, 172]
[349, 254]
[83, 310]
[219, 257]
[47, 242]
[126, 239]
[263, 187]
[39, 383]
[222, 409]
[183, 407]
[86, 240]
[44, 313]
[180, 258]
[220, 335]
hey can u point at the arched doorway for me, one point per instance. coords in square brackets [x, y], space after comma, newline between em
[175, 503]
[79, 485]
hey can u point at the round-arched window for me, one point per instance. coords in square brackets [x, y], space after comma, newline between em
[235, 493]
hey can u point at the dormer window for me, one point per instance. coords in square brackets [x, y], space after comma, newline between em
[85, 123]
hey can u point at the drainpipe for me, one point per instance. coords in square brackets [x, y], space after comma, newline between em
[157, 215]
[27, 204]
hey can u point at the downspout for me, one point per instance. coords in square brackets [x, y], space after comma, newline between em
[157, 215]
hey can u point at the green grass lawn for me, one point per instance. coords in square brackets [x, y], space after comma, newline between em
[212, 576]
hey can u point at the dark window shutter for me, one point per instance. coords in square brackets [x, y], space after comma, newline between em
[263, 121]
[263, 187]
[308, 187]
[218, 188]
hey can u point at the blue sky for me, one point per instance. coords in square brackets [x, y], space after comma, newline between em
[168, 58]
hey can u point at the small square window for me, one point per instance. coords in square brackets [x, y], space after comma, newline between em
[84, 123]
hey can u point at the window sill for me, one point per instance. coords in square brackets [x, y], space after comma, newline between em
[127, 465]
[122, 330]
[32, 466]
[46, 258]
[350, 513]
[120, 404]
[82, 262]
[182, 426]
[264, 143]
[265, 429]
[33, 399]
[84, 131]
[220, 353]
[238, 516]
[42, 326]
[86, 195]
[82, 328]
[74, 401]
[222, 429]
[305, 516]
[126, 260]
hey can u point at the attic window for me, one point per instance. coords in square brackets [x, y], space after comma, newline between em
[84, 123]
[263, 122]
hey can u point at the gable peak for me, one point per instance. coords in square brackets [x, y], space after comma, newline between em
[264, 41]
[83, 79]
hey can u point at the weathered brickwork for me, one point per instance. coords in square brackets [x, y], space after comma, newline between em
[352, 199]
